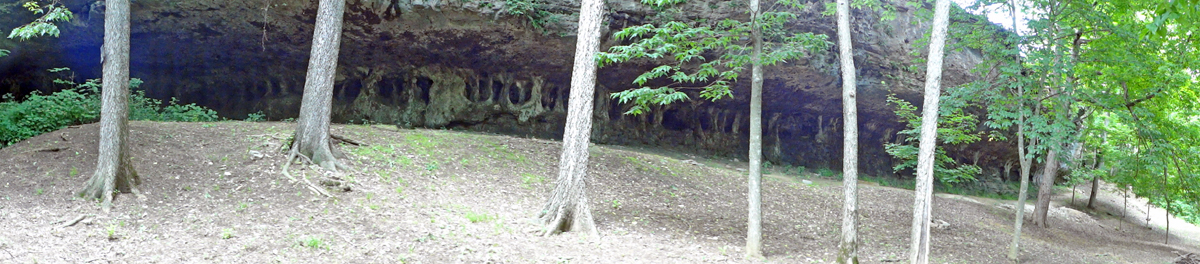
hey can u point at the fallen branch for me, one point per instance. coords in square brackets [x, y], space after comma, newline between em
[67, 223]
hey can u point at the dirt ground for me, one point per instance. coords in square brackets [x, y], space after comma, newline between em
[213, 193]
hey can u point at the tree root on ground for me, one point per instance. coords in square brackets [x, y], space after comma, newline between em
[67, 223]
[560, 217]
[347, 140]
[317, 189]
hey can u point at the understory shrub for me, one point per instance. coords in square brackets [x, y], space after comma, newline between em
[40, 113]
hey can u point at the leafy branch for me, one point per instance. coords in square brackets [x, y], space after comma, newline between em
[51, 13]
[707, 58]
[954, 127]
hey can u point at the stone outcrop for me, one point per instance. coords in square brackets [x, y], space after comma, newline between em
[469, 64]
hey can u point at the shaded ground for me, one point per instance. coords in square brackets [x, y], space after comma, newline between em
[214, 193]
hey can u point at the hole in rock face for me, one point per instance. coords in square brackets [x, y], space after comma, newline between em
[673, 120]
[551, 99]
[614, 109]
[468, 90]
[386, 88]
[514, 94]
[425, 83]
[705, 123]
[497, 86]
[729, 123]
[352, 88]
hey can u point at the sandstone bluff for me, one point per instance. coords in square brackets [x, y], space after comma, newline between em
[471, 65]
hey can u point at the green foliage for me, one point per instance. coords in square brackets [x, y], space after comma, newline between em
[701, 58]
[256, 117]
[44, 25]
[954, 127]
[886, 12]
[3, 52]
[533, 11]
[825, 172]
[40, 113]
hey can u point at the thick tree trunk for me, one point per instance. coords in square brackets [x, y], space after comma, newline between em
[114, 171]
[754, 230]
[1045, 189]
[848, 249]
[568, 208]
[312, 127]
[922, 202]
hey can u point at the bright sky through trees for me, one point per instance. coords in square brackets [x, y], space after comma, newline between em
[997, 14]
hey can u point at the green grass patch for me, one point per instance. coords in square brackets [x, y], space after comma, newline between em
[479, 218]
[314, 242]
[529, 179]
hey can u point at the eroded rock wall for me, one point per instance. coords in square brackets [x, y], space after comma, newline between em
[469, 65]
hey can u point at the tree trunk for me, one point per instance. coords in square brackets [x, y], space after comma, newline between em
[1095, 189]
[1046, 189]
[922, 202]
[1124, 207]
[1014, 250]
[754, 230]
[1166, 209]
[312, 127]
[848, 249]
[568, 208]
[114, 171]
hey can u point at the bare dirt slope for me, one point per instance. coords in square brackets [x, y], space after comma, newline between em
[214, 194]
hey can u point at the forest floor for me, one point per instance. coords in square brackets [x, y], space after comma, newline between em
[213, 193]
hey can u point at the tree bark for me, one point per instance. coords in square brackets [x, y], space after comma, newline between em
[1026, 163]
[114, 171]
[848, 249]
[1014, 252]
[568, 208]
[754, 183]
[1095, 189]
[1046, 189]
[312, 127]
[922, 202]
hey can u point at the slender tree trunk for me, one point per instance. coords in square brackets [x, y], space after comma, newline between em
[1095, 189]
[312, 128]
[1125, 207]
[114, 171]
[1014, 250]
[1166, 209]
[568, 208]
[848, 249]
[922, 202]
[1026, 163]
[1046, 189]
[1073, 187]
[754, 230]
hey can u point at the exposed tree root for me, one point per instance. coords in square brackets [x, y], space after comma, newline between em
[67, 223]
[347, 140]
[50, 149]
[565, 217]
[292, 158]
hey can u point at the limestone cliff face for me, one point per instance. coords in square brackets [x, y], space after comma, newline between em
[466, 64]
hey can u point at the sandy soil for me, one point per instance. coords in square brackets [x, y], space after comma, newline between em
[214, 194]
